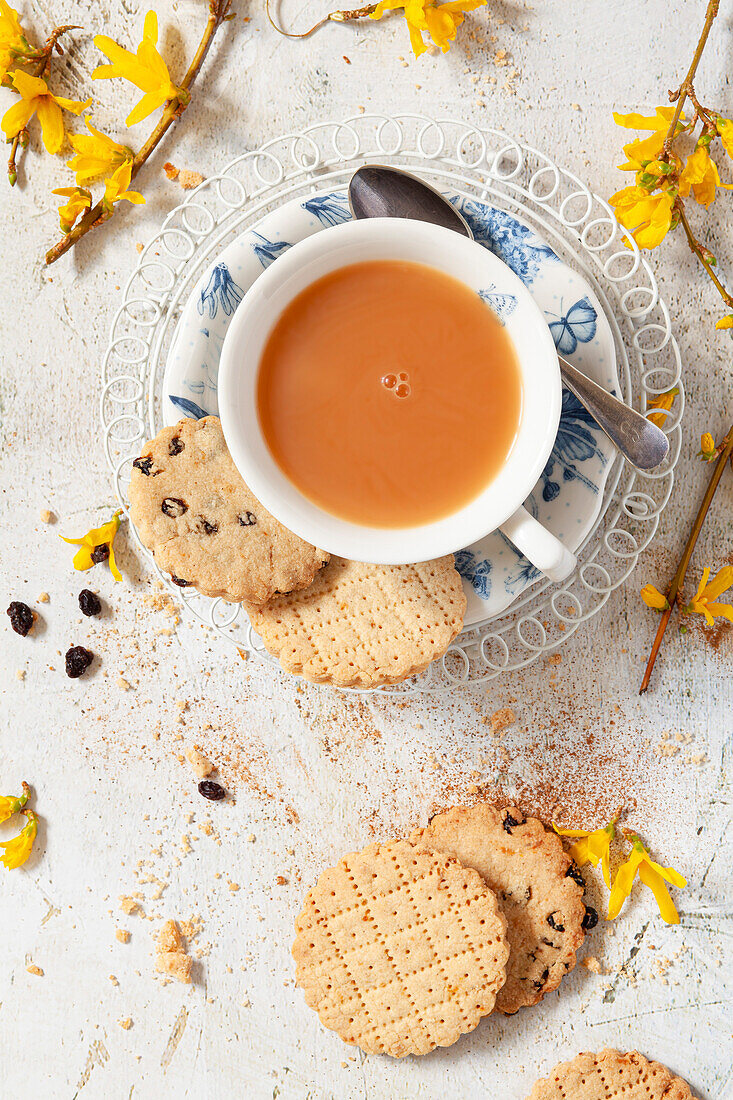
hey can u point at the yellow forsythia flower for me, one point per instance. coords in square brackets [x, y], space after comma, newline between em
[708, 449]
[12, 804]
[592, 847]
[649, 217]
[725, 129]
[116, 187]
[652, 597]
[35, 98]
[98, 545]
[79, 200]
[700, 175]
[704, 600]
[96, 155]
[19, 848]
[725, 322]
[645, 149]
[663, 403]
[146, 69]
[652, 875]
[440, 21]
[12, 37]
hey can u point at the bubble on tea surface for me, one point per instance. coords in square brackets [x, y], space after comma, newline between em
[389, 381]
[403, 390]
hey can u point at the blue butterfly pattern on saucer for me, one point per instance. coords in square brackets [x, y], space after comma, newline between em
[329, 209]
[509, 239]
[576, 442]
[220, 292]
[266, 251]
[476, 571]
[578, 325]
[503, 305]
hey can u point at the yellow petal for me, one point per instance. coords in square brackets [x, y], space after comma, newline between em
[623, 883]
[655, 882]
[150, 102]
[652, 597]
[52, 123]
[113, 563]
[83, 559]
[722, 581]
[17, 116]
[17, 850]
[76, 106]
[386, 5]
[29, 86]
[725, 322]
[722, 610]
[150, 27]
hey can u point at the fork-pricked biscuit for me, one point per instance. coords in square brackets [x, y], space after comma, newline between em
[364, 625]
[400, 950]
[193, 510]
[611, 1075]
[538, 887]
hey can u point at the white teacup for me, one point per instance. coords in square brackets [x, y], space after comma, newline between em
[499, 505]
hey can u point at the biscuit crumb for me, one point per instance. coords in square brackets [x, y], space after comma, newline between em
[170, 170]
[128, 905]
[201, 764]
[20, 674]
[175, 964]
[113, 979]
[125, 1024]
[122, 935]
[33, 969]
[47, 516]
[234, 886]
[189, 179]
[44, 597]
[139, 246]
[124, 684]
[169, 938]
[502, 720]
[591, 963]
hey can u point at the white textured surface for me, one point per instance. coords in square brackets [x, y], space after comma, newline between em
[101, 758]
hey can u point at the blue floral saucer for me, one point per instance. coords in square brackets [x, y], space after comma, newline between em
[568, 496]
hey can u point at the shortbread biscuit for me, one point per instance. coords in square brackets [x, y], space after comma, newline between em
[611, 1075]
[364, 625]
[538, 887]
[400, 951]
[204, 526]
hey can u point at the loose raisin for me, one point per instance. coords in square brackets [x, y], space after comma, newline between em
[179, 582]
[590, 920]
[100, 553]
[89, 602]
[211, 790]
[78, 660]
[247, 520]
[208, 528]
[175, 446]
[173, 507]
[510, 822]
[553, 924]
[573, 873]
[144, 465]
[21, 618]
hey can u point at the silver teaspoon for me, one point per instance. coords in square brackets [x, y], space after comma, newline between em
[376, 191]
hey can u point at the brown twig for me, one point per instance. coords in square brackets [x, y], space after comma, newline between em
[686, 86]
[332, 17]
[679, 578]
[219, 12]
[700, 253]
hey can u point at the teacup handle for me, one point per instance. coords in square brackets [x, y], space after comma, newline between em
[545, 551]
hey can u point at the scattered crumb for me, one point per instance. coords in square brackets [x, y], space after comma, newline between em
[234, 886]
[175, 964]
[20, 674]
[501, 720]
[122, 935]
[47, 516]
[113, 979]
[128, 905]
[590, 962]
[33, 969]
[169, 938]
[124, 684]
[201, 764]
[125, 1024]
[139, 246]
[44, 597]
[281, 880]
[189, 179]
[170, 170]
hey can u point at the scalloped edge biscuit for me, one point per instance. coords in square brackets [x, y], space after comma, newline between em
[400, 950]
[536, 883]
[609, 1075]
[361, 625]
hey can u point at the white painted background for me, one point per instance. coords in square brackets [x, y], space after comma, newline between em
[103, 761]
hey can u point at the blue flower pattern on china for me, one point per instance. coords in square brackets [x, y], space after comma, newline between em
[507, 238]
[329, 209]
[476, 571]
[579, 440]
[220, 292]
[266, 251]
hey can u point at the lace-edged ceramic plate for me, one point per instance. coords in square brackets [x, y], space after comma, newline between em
[569, 494]
[600, 298]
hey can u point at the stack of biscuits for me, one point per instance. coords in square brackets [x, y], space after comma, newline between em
[330, 620]
[404, 946]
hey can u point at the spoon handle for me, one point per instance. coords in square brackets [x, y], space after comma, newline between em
[641, 442]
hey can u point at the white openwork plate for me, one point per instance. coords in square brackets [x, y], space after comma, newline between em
[481, 165]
